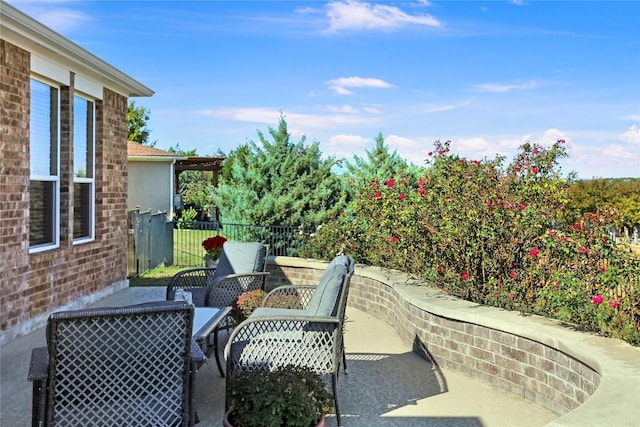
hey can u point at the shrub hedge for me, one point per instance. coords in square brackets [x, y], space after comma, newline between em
[495, 234]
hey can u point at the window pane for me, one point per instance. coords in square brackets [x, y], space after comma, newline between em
[43, 128]
[82, 199]
[82, 138]
[41, 215]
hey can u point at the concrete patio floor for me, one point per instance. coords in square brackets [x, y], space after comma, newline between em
[387, 384]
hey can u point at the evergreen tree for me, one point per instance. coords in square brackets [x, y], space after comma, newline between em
[279, 183]
[379, 166]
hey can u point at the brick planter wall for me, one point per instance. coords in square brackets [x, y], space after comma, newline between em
[532, 357]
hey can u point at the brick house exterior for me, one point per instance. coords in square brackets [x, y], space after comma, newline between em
[35, 283]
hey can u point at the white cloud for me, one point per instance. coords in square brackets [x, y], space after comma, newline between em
[54, 15]
[341, 85]
[271, 116]
[632, 135]
[502, 88]
[438, 108]
[348, 109]
[372, 110]
[348, 140]
[344, 146]
[355, 15]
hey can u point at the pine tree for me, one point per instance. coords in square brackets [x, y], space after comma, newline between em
[379, 166]
[279, 183]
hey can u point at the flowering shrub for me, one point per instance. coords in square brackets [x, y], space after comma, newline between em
[250, 300]
[246, 303]
[495, 235]
[289, 301]
[213, 246]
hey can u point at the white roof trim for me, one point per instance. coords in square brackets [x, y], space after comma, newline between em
[25, 32]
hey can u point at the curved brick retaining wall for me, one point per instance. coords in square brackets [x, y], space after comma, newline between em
[588, 380]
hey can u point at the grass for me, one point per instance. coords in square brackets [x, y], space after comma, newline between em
[187, 246]
[159, 276]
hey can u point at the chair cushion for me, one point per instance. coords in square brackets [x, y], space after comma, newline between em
[324, 299]
[241, 258]
[279, 312]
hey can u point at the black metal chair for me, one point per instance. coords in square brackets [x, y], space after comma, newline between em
[241, 268]
[125, 366]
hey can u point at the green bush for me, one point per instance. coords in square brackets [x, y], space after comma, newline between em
[496, 235]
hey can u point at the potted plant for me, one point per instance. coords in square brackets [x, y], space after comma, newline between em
[288, 396]
[246, 303]
[250, 300]
[213, 247]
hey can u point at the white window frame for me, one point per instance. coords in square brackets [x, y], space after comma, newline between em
[87, 179]
[55, 221]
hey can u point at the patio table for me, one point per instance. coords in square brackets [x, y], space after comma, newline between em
[205, 322]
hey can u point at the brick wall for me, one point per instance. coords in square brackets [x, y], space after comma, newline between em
[519, 365]
[35, 284]
[14, 183]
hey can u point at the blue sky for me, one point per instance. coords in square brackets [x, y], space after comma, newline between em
[487, 75]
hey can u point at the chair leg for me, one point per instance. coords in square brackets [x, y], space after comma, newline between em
[215, 349]
[344, 358]
[334, 386]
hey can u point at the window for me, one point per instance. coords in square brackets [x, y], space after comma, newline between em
[83, 168]
[44, 207]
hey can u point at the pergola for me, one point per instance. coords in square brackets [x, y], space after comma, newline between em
[207, 164]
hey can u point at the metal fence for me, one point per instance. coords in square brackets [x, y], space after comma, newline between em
[187, 240]
[628, 235]
[150, 241]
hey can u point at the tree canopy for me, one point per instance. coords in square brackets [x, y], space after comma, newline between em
[619, 196]
[279, 182]
[137, 118]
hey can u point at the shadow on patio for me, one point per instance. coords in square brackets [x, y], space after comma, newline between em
[387, 385]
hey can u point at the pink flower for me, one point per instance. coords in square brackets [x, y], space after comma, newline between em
[439, 270]
[613, 304]
[512, 297]
[535, 170]
[402, 196]
[430, 153]
[377, 195]
[390, 183]
[489, 203]
[603, 269]
[522, 207]
[561, 141]
[394, 239]
[513, 275]
[441, 152]
[552, 232]
[464, 276]
[534, 252]
[421, 183]
[585, 251]
[421, 191]
[597, 299]
[536, 150]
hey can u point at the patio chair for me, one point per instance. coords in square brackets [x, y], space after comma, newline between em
[241, 268]
[310, 337]
[125, 366]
